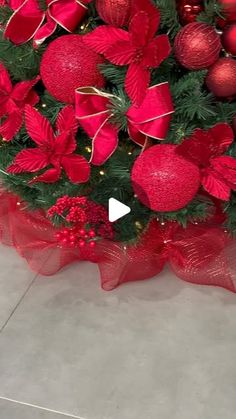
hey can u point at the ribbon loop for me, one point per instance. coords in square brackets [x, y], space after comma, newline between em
[151, 119]
[27, 20]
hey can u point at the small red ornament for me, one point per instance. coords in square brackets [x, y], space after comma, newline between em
[68, 64]
[221, 78]
[229, 9]
[197, 46]
[189, 10]
[229, 39]
[114, 12]
[163, 180]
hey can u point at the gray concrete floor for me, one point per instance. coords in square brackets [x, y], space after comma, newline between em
[159, 349]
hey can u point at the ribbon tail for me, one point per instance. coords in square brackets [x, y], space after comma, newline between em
[105, 143]
[24, 22]
[44, 31]
[67, 13]
[138, 137]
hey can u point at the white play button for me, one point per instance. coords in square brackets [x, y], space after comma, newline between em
[117, 210]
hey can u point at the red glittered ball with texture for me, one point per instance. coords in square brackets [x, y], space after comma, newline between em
[197, 46]
[114, 12]
[221, 78]
[68, 64]
[163, 180]
[229, 39]
[189, 10]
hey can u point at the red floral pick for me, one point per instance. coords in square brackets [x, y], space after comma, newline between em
[55, 150]
[138, 48]
[12, 103]
[205, 148]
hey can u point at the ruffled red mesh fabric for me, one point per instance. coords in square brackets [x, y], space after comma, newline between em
[201, 254]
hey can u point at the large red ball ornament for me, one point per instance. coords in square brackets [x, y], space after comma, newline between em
[189, 10]
[68, 64]
[197, 46]
[229, 9]
[229, 39]
[114, 12]
[221, 78]
[163, 180]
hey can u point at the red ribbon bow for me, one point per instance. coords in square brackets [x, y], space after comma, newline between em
[28, 18]
[151, 119]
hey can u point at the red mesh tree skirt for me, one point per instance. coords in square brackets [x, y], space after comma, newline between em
[202, 254]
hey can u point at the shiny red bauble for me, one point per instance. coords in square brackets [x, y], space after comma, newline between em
[189, 10]
[228, 39]
[163, 180]
[114, 12]
[68, 64]
[221, 78]
[197, 46]
[229, 9]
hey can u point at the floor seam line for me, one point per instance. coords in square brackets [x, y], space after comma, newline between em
[22, 297]
[18, 303]
[68, 415]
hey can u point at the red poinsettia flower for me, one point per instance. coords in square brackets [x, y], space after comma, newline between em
[12, 103]
[205, 148]
[138, 48]
[55, 150]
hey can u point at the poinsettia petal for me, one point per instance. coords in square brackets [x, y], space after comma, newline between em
[15, 169]
[66, 120]
[105, 143]
[77, 168]
[215, 185]
[139, 37]
[12, 124]
[32, 159]
[152, 11]
[136, 82]
[226, 167]
[196, 148]
[32, 98]
[157, 51]
[104, 37]
[64, 144]
[38, 127]
[50, 176]
[5, 81]
[22, 89]
[121, 53]
[222, 137]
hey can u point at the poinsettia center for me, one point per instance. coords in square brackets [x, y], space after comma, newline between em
[138, 56]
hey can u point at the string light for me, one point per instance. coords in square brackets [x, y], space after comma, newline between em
[102, 173]
[138, 225]
[44, 105]
[130, 153]
[88, 149]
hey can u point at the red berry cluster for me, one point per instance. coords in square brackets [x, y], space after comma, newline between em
[76, 237]
[89, 221]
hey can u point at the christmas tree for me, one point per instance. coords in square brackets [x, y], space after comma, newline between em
[129, 99]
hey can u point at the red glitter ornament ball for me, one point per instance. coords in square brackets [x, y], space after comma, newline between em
[114, 12]
[163, 180]
[229, 39]
[197, 46]
[68, 64]
[221, 78]
[189, 10]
